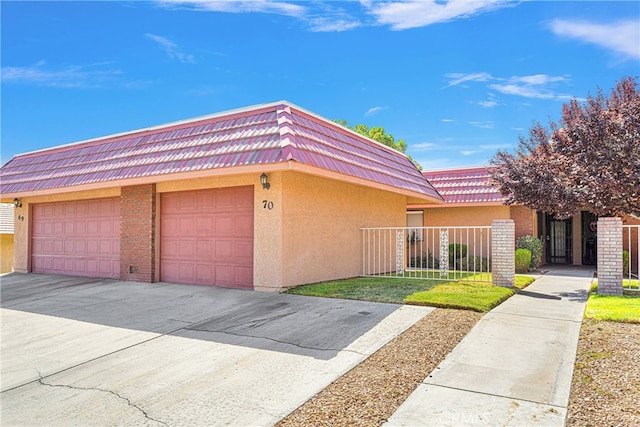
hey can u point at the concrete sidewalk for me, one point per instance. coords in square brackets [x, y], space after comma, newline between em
[515, 366]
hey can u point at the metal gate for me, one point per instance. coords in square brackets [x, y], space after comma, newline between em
[442, 253]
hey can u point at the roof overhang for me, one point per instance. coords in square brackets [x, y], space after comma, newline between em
[414, 197]
[456, 205]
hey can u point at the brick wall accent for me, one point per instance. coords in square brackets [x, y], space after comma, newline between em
[523, 218]
[138, 233]
[610, 256]
[503, 247]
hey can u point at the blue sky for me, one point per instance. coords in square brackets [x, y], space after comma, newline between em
[456, 80]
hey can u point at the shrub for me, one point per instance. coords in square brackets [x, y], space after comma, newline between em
[428, 261]
[474, 263]
[534, 246]
[625, 263]
[523, 260]
[456, 252]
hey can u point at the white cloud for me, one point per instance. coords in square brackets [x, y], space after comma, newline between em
[447, 120]
[239, 6]
[458, 78]
[469, 152]
[327, 25]
[324, 18]
[402, 15]
[622, 37]
[431, 164]
[171, 49]
[423, 146]
[487, 124]
[523, 90]
[487, 104]
[538, 79]
[374, 110]
[540, 86]
[69, 76]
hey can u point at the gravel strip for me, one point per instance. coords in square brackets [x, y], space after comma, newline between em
[606, 380]
[371, 392]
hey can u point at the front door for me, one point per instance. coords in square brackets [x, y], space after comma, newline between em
[559, 241]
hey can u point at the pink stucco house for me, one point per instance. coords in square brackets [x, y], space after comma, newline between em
[470, 199]
[265, 197]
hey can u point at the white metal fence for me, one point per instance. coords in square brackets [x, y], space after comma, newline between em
[443, 253]
[630, 257]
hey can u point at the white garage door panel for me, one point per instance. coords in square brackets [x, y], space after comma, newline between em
[79, 238]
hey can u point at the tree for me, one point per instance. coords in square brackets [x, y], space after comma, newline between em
[589, 160]
[378, 133]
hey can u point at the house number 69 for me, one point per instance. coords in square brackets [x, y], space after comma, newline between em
[267, 204]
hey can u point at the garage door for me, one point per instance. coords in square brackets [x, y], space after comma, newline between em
[79, 238]
[206, 237]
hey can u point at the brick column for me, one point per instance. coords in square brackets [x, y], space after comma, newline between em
[523, 218]
[503, 247]
[138, 233]
[610, 256]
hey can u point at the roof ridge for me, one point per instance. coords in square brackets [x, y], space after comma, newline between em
[287, 133]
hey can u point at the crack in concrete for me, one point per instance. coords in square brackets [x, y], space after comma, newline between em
[126, 399]
[183, 321]
[303, 347]
[531, 316]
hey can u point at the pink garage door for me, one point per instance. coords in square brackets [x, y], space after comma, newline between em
[80, 238]
[206, 237]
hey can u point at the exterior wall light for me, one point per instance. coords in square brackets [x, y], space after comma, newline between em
[17, 203]
[264, 181]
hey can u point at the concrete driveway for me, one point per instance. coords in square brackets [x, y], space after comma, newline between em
[78, 351]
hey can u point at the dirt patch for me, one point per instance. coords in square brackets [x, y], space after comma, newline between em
[372, 391]
[606, 380]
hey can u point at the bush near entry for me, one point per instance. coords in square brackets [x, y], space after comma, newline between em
[534, 246]
[523, 260]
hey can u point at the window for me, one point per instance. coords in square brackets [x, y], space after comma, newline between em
[415, 222]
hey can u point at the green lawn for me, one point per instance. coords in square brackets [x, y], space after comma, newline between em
[522, 282]
[464, 295]
[477, 296]
[616, 309]
[375, 289]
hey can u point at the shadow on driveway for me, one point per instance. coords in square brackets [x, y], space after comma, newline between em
[316, 327]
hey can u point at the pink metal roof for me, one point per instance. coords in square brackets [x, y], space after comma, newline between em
[260, 135]
[470, 185]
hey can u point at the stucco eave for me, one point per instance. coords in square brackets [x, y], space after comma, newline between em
[454, 205]
[414, 197]
[237, 170]
[312, 170]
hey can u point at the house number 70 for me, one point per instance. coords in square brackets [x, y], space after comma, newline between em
[267, 205]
